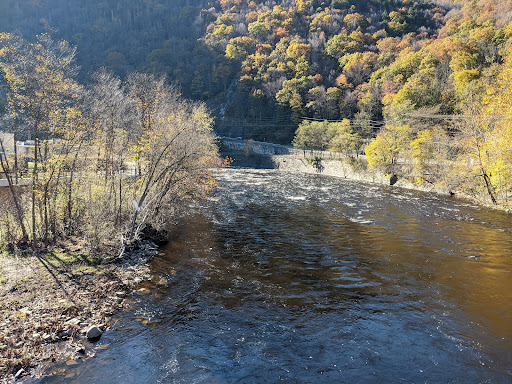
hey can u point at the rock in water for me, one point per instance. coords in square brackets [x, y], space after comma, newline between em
[80, 349]
[94, 333]
[19, 374]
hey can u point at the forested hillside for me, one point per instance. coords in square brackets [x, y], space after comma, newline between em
[119, 35]
[426, 74]
[365, 61]
[362, 60]
[112, 117]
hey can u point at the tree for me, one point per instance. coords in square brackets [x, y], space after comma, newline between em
[343, 140]
[485, 152]
[391, 143]
[20, 215]
[323, 135]
[429, 156]
[257, 29]
[312, 135]
[239, 48]
[177, 158]
[11, 46]
[40, 79]
[146, 91]
[110, 114]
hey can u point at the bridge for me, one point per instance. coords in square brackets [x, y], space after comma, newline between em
[253, 147]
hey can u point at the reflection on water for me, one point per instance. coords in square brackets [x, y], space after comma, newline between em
[309, 279]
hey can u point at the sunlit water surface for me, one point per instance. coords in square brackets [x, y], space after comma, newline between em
[309, 279]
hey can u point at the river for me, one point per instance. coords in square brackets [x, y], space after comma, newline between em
[297, 278]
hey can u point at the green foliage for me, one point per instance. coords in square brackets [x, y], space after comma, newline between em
[428, 155]
[343, 140]
[323, 135]
[239, 48]
[400, 70]
[257, 29]
[315, 161]
[355, 163]
[312, 135]
[338, 45]
[293, 88]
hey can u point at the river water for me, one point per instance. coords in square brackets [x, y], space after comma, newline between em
[309, 279]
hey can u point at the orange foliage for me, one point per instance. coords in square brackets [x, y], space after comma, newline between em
[281, 32]
[319, 79]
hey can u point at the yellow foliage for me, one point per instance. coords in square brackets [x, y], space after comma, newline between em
[388, 146]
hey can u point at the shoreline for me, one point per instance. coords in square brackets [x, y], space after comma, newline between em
[49, 303]
[340, 169]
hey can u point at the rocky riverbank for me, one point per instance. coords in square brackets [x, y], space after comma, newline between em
[349, 168]
[56, 305]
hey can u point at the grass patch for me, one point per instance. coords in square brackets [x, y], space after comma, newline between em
[72, 258]
[314, 161]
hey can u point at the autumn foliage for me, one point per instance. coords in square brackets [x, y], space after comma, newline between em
[103, 162]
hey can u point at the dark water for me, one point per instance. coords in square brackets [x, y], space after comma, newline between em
[309, 279]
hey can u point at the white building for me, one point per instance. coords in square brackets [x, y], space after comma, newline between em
[7, 141]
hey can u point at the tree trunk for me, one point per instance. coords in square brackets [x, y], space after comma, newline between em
[34, 182]
[490, 187]
[19, 212]
[15, 129]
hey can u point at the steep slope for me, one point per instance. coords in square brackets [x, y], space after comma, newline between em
[284, 60]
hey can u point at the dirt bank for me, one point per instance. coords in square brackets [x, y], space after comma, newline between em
[48, 303]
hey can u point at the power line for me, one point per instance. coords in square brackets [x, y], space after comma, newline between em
[353, 122]
[257, 125]
[440, 117]
[453, 117]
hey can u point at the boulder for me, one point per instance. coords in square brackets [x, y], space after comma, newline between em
[94, 333]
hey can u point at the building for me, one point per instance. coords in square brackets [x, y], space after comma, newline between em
[7, 140]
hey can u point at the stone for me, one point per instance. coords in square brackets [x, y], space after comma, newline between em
[94, 333]
[66, 334]
[23, 313]
[80, 349]
[75, 322]
[19, 374]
